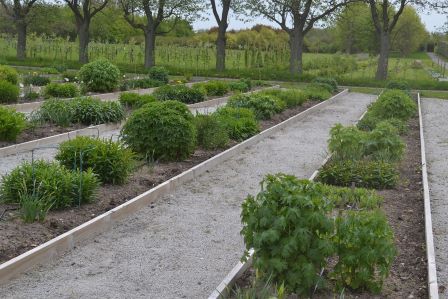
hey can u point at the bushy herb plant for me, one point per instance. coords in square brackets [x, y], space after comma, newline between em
[179, 93]
[327, 81]
[240, 123]
[213, 88]
[263, 106]
[9, 92]
[100, 75]
[61, 90]
[159, 73]
[8, 74]
[394, 104]
[399, 84]
[135, 100]
[12, 123]
[211, 132]
[36, 80]
[316, 93]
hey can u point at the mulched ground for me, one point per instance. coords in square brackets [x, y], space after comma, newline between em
[18, 237]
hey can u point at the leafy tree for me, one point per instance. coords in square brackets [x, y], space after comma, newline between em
[155, 12]
[18, 11]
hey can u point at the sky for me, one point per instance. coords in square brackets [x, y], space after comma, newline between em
[432, 22]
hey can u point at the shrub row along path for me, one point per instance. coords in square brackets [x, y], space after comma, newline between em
[435, 124]
[184, 244]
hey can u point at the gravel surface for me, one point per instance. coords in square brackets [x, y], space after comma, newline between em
[183, 245]
[435, 123]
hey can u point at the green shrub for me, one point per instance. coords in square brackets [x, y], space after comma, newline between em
[315, 93]
[352, 198]
[8, 74]
[248, 82]
[179, 93]
[347, 143]
[291, 97]
[140, 83]
[213, 88]
[50, 70]
[264, 106]
[394, 104]
[36, 80]
[325, 86]
[50, 183]
[135, 100]
[366, 174]
[238, 86]
[327, 81]
[12, 123]
[369, 121]
[100, 75]
[398, 84]
[55, 111]
[9, 93]
[31, 95]
[58, 90]
[239, 122]
[384, 143]
[110, 160]
[211, 132]
[159, 73]
[287, 226]
[161, 131]
[365, 246]
[90, 111]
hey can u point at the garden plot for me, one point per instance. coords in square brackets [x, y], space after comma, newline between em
[435, 125]
[186, 242]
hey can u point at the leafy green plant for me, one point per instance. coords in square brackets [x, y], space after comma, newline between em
[399, 84]
[213, 88]
[351, 198]
[36, 80]
[179, 93]
[264, 106]
[159, 73]
[384, 143]
[8, 74]
[135, 100]
[347, 143]
[324, 86]
[100, 75]
[55, 111]
[161, 130]
[394, 104]
[211, 132]
[9, 93]
[287, 226]
[239, 122]
[12, 123]
[32, 209]
[365, 246]
[58, 90]
[316, 93]
[238, 86]
[90, 111]
[110, 160]
[327, 81]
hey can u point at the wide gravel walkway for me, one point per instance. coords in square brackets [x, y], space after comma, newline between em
[184, 244]
[435, 123]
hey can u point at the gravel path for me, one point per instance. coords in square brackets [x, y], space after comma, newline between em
[435, 125]
[184, 244]
[436, 59]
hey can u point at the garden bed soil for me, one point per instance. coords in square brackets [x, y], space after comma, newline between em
[404, 208]
[19, 237]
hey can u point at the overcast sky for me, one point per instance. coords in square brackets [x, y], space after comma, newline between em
[432, 21]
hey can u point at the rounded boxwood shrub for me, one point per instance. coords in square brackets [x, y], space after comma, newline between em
[211, 132]
[58, 90]
[239, 122]
[110, 160]
[179, 93]
[12, 123]
[8, 74]
[394, 104]
[159, 73]
[9, 93]
[100, 75]
[50, 183]
[161, 131]
[36, 80]
[264, 106]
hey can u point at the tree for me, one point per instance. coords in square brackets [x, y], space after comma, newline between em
[18, 11]
[155, 12]
[84, 11]
[297, 18]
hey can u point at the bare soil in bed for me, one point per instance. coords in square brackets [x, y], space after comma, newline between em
[18, 237]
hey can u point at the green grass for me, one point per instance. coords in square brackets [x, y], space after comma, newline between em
[368, 90]
[434, 94]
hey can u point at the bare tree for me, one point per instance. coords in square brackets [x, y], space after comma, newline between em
[84, 11]
[19, 11]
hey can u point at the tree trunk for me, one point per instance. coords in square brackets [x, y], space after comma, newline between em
[150, 43]
[296, 48]
[21, 40]
[84, 39]
[383, 60]
[221, 41]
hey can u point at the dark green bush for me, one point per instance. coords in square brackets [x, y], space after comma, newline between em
[384, 143]
[8, 74]
[328, 81]
[135, 100]
[161, 131]
[36, 80]
[211, 132]
[394, 104]
[366, 174]
[238, 86]
[264, 106]
[110, 160]
[159, 73]
[316, 93]
[288, 226]
[213, 88]
[179, 93]
[239, 122]
[12, 123]
[58, 90]
[398, 84]
[52, 184]
[9, 93]
[140, 83]
[100, 75]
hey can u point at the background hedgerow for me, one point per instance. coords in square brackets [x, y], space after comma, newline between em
[12, 123]
[211, 132]
[240, 123]
[100, 75]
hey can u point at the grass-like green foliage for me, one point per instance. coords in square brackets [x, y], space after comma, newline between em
[9, 92]
[328, 81]
[179, 93]
[287, 226]
[32, 209]
[213, 87]
[100, 75]
[239, 122]
[50, 183]
[263, 106]
[291, 97]
[351, 198]
[325, 86]
[8, 74]
[399, 84]
[111, 161]
[161, 131]
[61, 90]
[239, 86]
[211, 132]
[316, 93]
[159, 73]
[36, 80]
[366, 174]
[365, 246]
[55, 111]
[135, 100]
[140, 83]
[12, 123]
